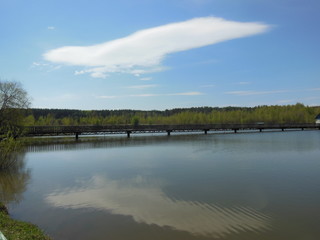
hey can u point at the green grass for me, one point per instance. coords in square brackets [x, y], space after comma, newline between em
[18, 230]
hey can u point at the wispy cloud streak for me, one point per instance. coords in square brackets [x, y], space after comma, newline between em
[153, 95]
[143, 51]
[247, 93]
[143, 86]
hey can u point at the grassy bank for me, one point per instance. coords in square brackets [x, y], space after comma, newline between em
[18, 230]
[13, 183]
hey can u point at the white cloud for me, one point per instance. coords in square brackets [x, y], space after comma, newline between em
[143, 86]
[143, 51]
[45, 66]
[147, 203]
[243, 83]
[186, 94]
[107, 97]
[153, 95]
[168, 94]
[247, 93]
[39, 64]
[286, 101]
[51, 28]
[146, 79]
[145, 95]
[314, 89]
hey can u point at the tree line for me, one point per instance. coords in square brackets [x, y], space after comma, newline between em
[14, 113]
[297, 113]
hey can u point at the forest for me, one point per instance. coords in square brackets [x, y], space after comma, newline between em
[297, 113]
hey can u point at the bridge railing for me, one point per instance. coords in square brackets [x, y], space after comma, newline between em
[43, 130]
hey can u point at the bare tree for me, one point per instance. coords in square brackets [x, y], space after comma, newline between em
[12, 95]
[13, 98]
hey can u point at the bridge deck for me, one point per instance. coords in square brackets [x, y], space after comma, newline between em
[128, 129]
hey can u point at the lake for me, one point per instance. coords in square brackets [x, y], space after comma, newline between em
[183, 187]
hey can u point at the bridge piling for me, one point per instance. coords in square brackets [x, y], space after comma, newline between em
[169, 132]
[128, 134]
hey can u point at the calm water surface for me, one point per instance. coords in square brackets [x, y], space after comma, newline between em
[215, 186]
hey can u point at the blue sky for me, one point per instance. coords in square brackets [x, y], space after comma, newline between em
[161, 54]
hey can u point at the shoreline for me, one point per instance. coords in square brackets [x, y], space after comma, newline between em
[18, 230]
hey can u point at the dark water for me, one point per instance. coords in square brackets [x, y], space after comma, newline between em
[220, 186]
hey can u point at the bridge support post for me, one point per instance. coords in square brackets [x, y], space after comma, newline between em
[169, 132]
[206, 131]
[282, 129]
[77, 136]
[260, 129]
[235, 130]
[128, 134]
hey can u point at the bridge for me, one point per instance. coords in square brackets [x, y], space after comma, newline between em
[168, 129]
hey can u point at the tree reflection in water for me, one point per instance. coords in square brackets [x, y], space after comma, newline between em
[13, 178]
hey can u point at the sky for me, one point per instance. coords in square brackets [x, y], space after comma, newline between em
[162, 54]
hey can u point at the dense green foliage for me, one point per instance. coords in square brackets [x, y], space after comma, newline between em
[297, 113]
[10, 123]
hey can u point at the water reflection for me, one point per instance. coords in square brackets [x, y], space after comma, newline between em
[63, 144]
[147, 203]
[14, 179]
[227, 186]
[259, 142]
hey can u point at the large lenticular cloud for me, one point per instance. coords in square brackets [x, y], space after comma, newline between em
[144, 50]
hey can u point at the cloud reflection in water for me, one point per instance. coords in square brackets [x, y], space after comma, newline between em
[150, 205]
